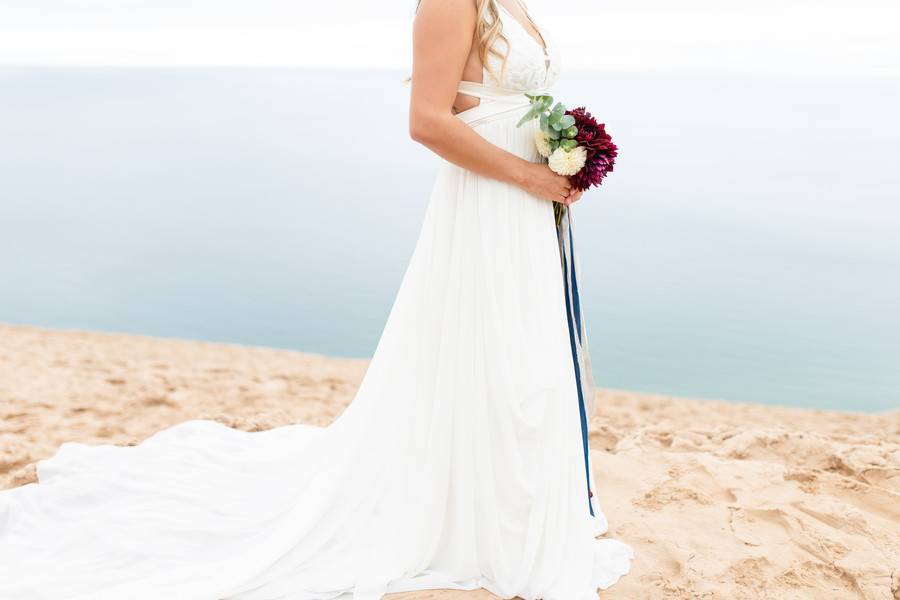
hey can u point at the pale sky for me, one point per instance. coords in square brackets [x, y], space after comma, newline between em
[773, 36]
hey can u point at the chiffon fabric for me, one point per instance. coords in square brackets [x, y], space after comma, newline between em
[460, 463]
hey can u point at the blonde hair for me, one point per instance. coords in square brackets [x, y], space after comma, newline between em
[488, 30]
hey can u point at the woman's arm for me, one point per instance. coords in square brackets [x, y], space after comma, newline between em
[443, 34]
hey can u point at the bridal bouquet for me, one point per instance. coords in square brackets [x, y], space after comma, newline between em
[572, 141]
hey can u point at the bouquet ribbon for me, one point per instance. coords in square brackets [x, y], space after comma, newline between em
[581, 361]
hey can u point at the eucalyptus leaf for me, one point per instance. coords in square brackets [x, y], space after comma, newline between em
[526, 117]
[567, 121]
[553, 134]
[570, 132]
[568, 144]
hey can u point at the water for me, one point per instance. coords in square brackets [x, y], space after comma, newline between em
[746, 247]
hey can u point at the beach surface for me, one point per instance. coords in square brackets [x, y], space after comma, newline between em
[720, 500]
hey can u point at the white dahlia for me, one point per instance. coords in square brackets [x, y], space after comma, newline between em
[568, 162]
[542, 143]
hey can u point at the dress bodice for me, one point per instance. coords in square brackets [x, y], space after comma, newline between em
[527, 66]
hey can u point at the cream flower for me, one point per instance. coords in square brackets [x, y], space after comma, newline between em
[542, 143]
[568, 163]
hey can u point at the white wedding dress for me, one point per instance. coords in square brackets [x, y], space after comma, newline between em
[461, 462]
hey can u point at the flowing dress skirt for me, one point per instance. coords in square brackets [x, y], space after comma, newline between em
[459, 464]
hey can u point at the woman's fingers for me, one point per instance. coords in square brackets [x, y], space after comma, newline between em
[573, 196]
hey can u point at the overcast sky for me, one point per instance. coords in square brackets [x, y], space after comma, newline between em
[774, 36]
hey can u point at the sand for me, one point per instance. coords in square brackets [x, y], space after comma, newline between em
[720, 500]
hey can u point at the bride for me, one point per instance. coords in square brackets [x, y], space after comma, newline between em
[461, 463]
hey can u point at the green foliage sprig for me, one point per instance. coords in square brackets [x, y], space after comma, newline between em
[555, 123]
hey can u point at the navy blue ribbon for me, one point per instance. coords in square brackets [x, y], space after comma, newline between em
[577, 339]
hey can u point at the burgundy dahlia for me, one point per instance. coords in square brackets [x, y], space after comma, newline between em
[601, 151]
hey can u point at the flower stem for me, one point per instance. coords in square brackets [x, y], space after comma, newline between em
[559, 210]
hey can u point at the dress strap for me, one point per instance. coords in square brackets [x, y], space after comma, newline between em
[492, 92]
[496, 102]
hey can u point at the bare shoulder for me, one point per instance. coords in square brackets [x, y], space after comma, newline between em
[447, 14]
[442, 42]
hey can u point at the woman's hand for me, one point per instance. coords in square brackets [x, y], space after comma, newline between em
[574, 196]
[538, 180]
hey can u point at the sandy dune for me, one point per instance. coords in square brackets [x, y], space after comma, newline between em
[720, 500]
